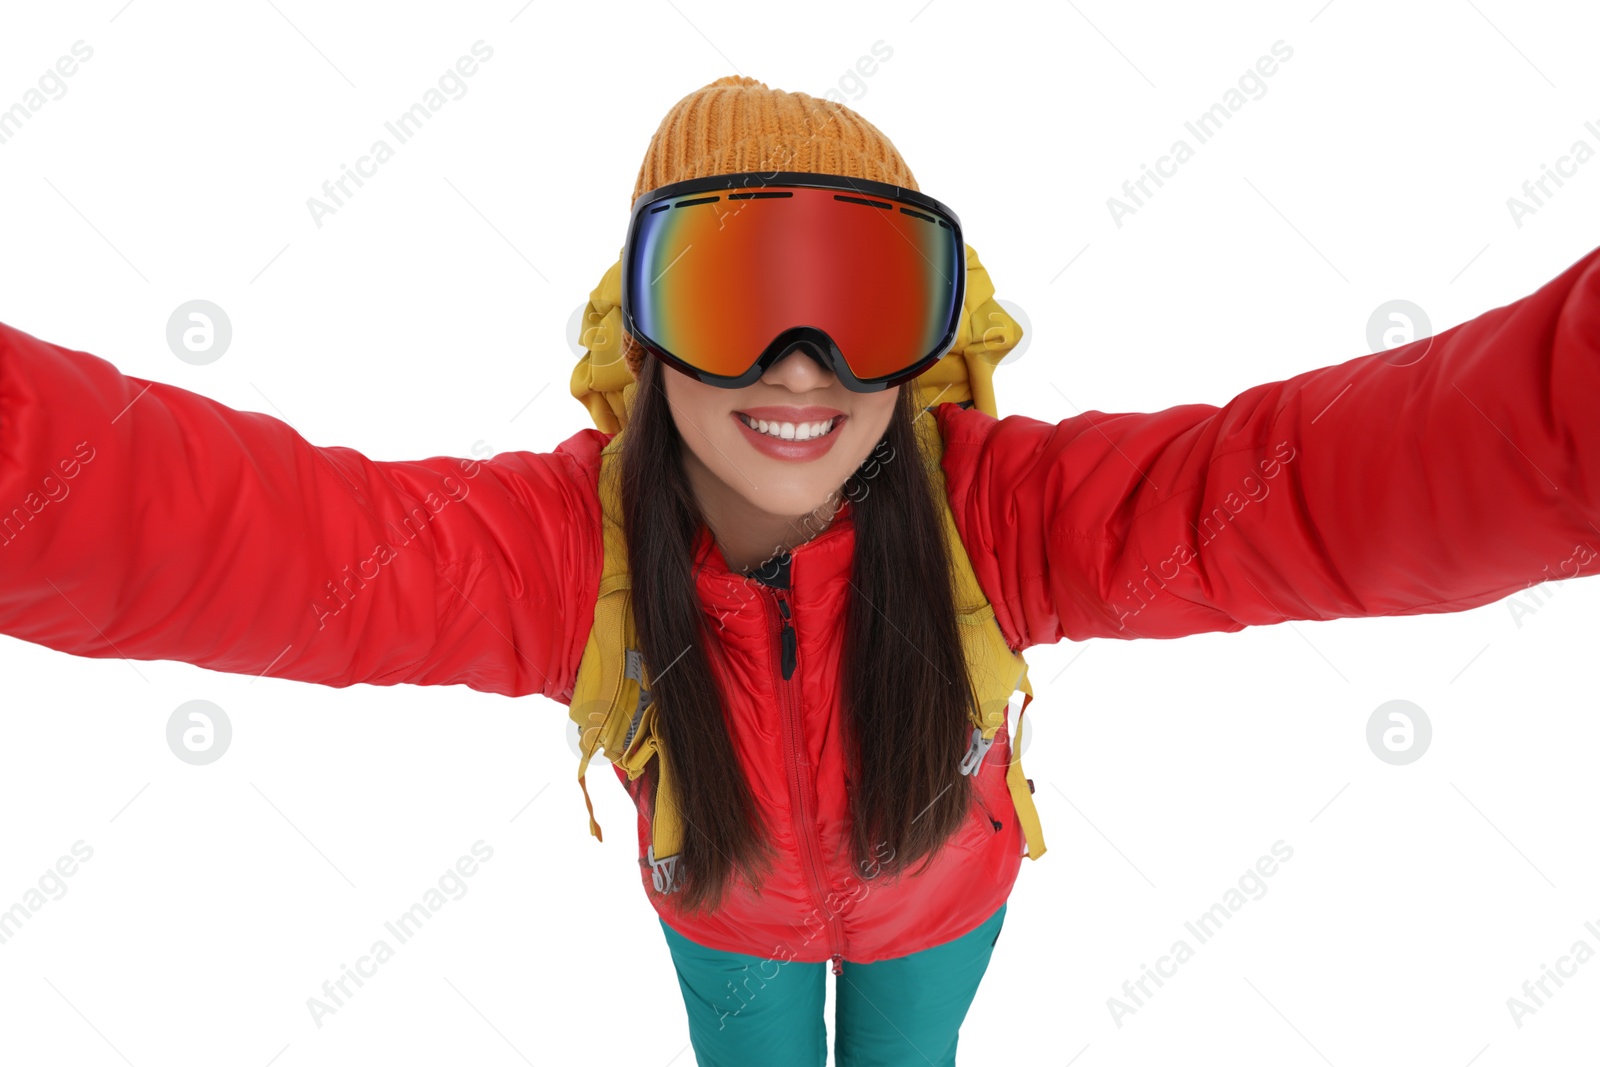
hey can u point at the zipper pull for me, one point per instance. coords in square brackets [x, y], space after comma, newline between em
[788, 640]
[837, 960]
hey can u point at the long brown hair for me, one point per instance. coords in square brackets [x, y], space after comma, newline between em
[906, 692]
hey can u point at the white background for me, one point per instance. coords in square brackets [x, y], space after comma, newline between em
[428, 312]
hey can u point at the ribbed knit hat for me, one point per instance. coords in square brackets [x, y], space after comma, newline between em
[736, 125]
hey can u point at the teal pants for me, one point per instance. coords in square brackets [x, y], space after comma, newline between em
[751, 1010]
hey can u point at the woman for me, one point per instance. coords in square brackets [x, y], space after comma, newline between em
[794, 595]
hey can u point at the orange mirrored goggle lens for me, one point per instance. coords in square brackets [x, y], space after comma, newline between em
[713, 278]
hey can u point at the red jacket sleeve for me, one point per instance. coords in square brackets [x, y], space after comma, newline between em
[1430, 478]
[142, 521]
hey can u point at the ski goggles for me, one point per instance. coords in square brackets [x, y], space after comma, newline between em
[723, 275]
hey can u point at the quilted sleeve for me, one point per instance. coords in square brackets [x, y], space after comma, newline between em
[142, 521]
[1435, 477]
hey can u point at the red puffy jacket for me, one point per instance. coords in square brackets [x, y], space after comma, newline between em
[143, 521]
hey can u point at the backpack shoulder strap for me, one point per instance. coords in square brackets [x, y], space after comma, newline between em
[595, 692]
[611, 702]
[996, 670]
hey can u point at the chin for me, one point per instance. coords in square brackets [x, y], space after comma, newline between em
[780, 490]
[796, 498]
[790, 488]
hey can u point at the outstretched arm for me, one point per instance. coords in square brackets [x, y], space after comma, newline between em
[142, 521]
[1435, 477]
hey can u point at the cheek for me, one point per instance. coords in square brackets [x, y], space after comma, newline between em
[880, 411]
[871, 421]
[694, 407]
[866, 428]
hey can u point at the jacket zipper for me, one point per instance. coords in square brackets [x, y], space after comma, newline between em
[799, 784]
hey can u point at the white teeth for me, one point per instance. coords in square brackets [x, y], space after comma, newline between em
[789, 431]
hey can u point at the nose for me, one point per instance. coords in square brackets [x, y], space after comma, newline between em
[798, 373]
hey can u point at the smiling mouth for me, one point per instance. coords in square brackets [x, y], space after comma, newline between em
[791, 431]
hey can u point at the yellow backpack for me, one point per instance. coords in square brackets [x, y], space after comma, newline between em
[611, 702]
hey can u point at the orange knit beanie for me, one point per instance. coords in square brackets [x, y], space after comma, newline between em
[736, 125]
